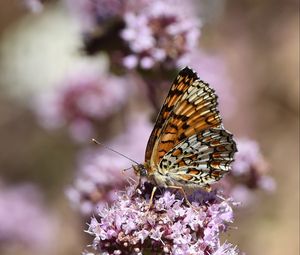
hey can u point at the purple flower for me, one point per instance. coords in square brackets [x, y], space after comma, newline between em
[161, 32]
[248, 158]
[84, 99]
[100, 171]
[165, 228]
[23, 219]
[154, 33]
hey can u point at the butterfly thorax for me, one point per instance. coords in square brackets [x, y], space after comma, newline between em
[152, 173]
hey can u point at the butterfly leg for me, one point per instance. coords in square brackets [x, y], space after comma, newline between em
[151, 197]
[138, 184]
[183, 193]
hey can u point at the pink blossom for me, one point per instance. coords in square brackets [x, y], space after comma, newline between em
[84, 99]
[146, 34]
[160, 32]
[166, 230]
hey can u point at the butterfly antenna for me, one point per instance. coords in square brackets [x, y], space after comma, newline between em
[124, 170]
[110, 149]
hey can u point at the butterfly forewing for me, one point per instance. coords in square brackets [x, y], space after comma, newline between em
[196, 111]
[177, 90]
[193, 111]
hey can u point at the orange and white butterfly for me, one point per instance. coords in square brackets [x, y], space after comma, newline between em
[188, 147]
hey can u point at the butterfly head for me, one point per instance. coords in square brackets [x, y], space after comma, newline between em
[140, 170]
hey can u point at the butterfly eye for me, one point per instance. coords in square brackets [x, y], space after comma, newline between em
[142, 170]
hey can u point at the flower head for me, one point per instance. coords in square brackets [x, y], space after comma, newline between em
[170, 226]
[161, 32]
[84, 99]
[153, 33]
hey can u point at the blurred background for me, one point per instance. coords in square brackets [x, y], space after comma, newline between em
[73, 70]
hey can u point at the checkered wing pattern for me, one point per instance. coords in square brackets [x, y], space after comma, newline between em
[179, 87]
[200, 159]
[188, 141]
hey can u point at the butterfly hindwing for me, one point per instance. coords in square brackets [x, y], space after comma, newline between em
[200, 159]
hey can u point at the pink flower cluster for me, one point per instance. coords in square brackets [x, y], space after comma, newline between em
[160, 33]
[129, 226]
[147, 34]
[84, 99]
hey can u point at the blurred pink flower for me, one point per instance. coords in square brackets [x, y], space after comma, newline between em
[243, 194]
[154, 33]
[23, 219]
[248, 158]
[84, 99]
[100, 171]
[161, 32]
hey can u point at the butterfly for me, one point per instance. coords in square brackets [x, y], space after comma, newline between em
[188, 147]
